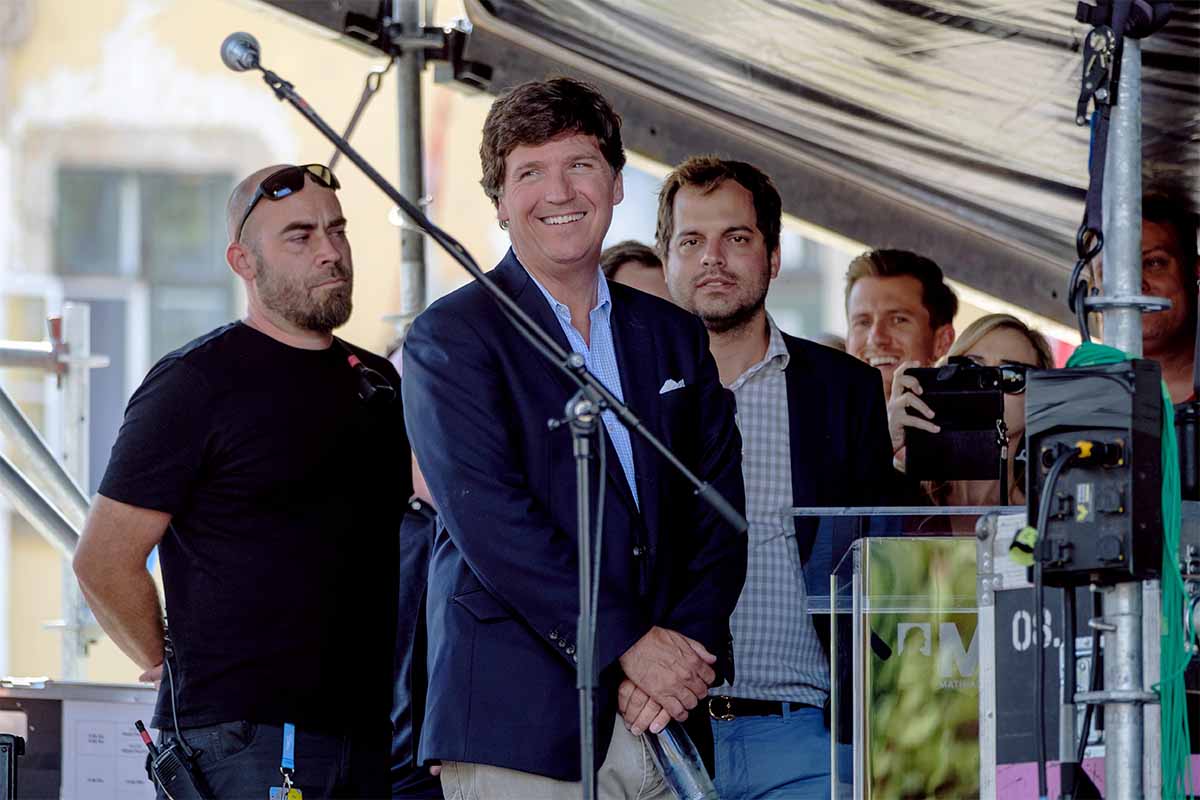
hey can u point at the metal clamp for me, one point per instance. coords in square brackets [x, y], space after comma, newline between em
[1099, 57]
[1116, 696]
[1142, 302]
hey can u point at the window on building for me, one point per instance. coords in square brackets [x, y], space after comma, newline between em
[158, 232]
[146, 251]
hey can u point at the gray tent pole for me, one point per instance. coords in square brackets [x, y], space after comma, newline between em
[411, 180]
[1123, 329]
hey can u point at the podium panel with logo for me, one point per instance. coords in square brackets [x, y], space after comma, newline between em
[902, 617]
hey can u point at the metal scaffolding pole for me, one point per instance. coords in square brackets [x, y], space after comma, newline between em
[1123, 329]
[45, 468]
[78, 626]
[40, 512]
[37, 355]
[53, 503]
[410, 14]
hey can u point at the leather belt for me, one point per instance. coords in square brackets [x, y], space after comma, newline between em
[721, 707]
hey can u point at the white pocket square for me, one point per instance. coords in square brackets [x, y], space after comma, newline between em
[670, 386]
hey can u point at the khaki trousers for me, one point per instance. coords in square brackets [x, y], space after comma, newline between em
[628, 773]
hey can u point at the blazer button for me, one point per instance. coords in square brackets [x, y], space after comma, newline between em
[637, 552]
[571, 650]
[561, 643]
[553, 635]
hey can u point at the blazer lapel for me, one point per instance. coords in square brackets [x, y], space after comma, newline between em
[805, 480]
[512, 278]
[637, 356]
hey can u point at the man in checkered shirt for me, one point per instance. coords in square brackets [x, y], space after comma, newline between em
[814, 433]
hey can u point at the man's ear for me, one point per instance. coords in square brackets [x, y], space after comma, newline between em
[774, 263]
[501, 212]
[943, 340]
[239, 258]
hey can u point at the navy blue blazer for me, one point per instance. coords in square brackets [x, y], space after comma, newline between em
[503, 586]
[841, 452]
[841, 455]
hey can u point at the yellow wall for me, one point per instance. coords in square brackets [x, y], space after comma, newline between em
[35, 597]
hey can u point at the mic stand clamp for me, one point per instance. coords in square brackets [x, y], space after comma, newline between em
[284, 90]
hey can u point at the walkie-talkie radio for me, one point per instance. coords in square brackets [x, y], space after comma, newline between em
[169, 769]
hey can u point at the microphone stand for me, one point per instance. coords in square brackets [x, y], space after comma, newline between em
[582, 415]
[593, 398]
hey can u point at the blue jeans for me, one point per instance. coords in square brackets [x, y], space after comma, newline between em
[241, 760]
[773, 756]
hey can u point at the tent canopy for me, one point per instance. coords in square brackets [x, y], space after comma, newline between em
[945, 126]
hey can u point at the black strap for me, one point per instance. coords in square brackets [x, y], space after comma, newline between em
[1093, 219]
[1113, 21]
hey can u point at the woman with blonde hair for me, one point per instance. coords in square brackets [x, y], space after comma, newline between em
[993, 341]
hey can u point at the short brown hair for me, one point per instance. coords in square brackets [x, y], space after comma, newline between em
[621, 253]
[938, 298]
[707, 173]
[535, 112]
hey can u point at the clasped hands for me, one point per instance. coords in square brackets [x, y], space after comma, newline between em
[666, 675]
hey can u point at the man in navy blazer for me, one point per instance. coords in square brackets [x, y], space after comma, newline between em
[815, 434]
[502, 704]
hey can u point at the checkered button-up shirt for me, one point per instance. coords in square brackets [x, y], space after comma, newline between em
[775, 647]
[600, 356]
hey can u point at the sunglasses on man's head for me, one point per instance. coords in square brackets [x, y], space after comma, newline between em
[287, 181]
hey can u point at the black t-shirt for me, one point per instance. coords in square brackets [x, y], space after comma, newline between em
[285, 492]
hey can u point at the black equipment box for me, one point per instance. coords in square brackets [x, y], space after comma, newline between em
[1105, 521]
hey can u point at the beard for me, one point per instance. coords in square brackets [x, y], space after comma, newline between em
[295, 301]
[725, 315]
[726, 320]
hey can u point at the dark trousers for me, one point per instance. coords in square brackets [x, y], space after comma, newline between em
[240, 761]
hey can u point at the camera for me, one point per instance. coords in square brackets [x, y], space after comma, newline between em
[967, 400]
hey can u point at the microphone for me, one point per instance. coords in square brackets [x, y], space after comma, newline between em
[240, 51]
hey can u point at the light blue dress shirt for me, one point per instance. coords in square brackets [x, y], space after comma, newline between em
[601, 360]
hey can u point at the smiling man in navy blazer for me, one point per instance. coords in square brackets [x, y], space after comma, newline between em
[502, 708]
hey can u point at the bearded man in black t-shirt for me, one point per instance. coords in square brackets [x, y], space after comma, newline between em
[267, 460]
